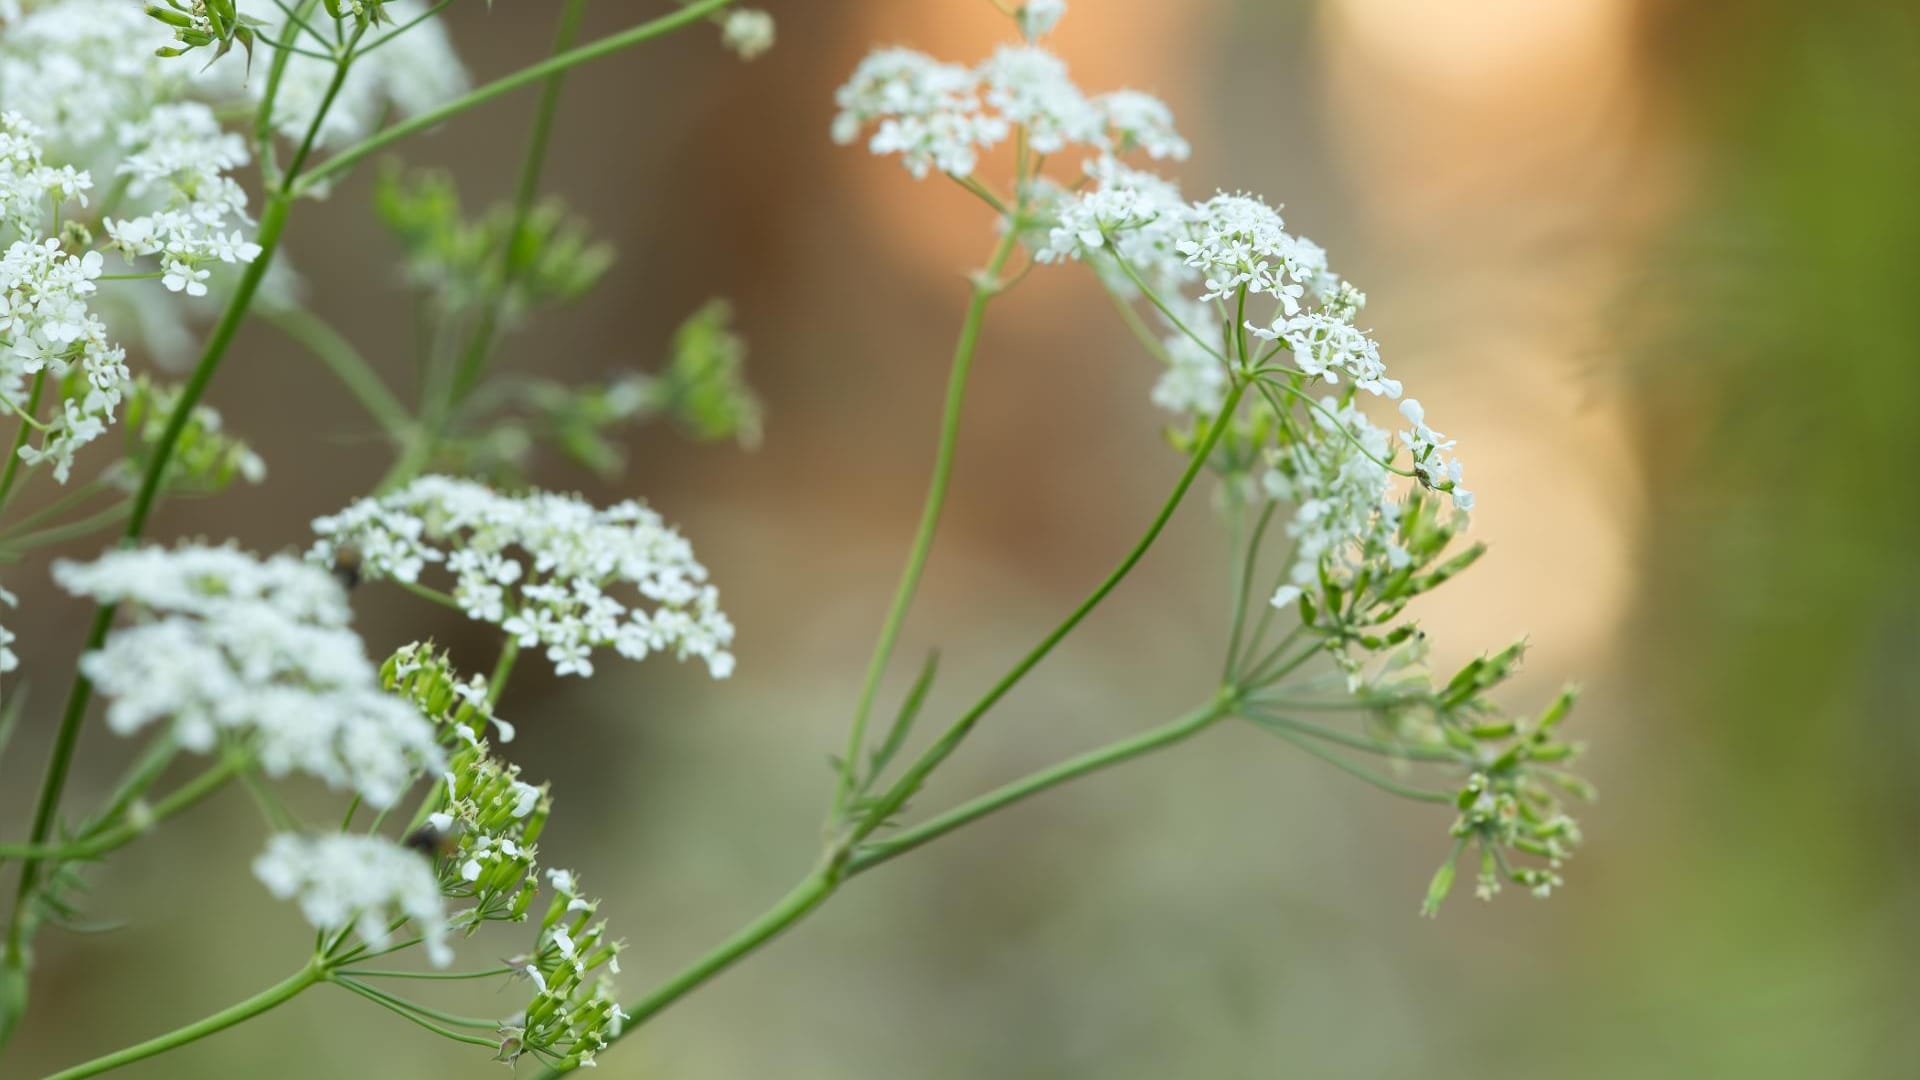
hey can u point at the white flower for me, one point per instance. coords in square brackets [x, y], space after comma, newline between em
[1432, 463]
[47, 327]
[177, 159]
[1031, 88]
[365, 882]
[1126, 215]
[1037, 18]
[254, 650]
[1144, 121]
[748, 32]
[8, 661]
[1324, 347]
[929, 113]
[551, 570]
[1345, 513]
[1237, 242]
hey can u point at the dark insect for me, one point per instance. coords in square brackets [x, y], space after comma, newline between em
[346, 566]
[431, 842]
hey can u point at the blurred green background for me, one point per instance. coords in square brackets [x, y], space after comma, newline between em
[1651, 262]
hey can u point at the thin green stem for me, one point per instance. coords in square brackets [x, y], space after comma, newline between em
[917, 773]
[812, 891]
[480, 345]
[406, 26]
[985, 287]
[502, 670]
[79, 494]
[981, 191]
[482, 1023]
[526, 76]
[364, 973]
[1377, 779]
[1073, 768]
[428, 592]
[1249, 564]
[12, 470]
[1134, 276]
[346, 363]
[55, 534]
[118, 835]
[1139, 328]
[1348, 739]
[407, 1014]
[1337, 423]
[276, 995]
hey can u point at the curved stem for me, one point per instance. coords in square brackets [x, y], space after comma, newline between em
[346, 363]
[985, 287]
[1354, 769]
[273, 222]
[917, 773]
[812, 891]
[1071, 769]
[526, 76]
[278, 994]
[115, 836]
[1245, 585]
[528, 187]
[12, 469]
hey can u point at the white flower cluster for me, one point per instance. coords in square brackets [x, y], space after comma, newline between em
[1196, 260]
[1324, 346]
[937, 115]
[571, 1016]
[83, 85]
[364, 882]
[178, 157]
[81, 68]
[8, 661]
[748, 32]
[1037, 18]
[255, 650]
[49, 333]
[1345, 514]
[551, 570]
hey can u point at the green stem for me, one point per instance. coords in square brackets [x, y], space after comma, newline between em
[115, 836]
[406, 1014]
[77, 495]
[273, 222]
[12, 469]
[364, 973]
[339, 356]
[525, 191]
[812, 891]
[1093, 761]
[1244, 583]
[55, 534]
[917, 773]
[276, 995]
[526, 76]
[502, 670]
[985, 286]
[1358, 742]
[1377, 779]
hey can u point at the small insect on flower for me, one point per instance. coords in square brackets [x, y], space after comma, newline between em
[346, 566]
[433, 842]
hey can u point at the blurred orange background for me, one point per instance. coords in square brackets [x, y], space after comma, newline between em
[1649, 262]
